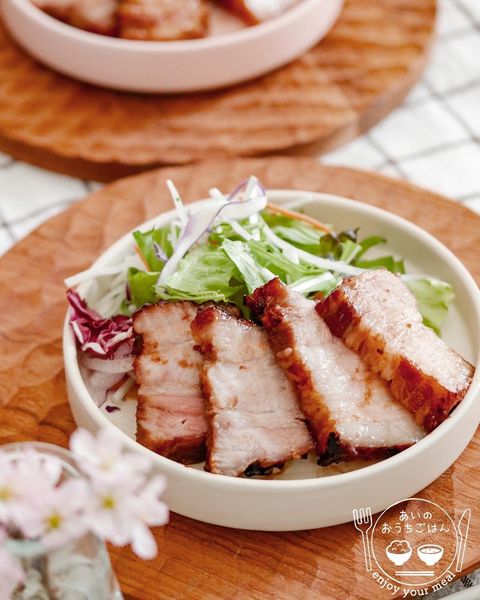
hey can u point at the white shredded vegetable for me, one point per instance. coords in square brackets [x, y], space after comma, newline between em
[177, 201]
[202, 221]
[237, 228]
[312, 283]
[291, 254]
[120, 393]
[322, 263]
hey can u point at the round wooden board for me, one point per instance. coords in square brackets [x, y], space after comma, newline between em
[351, 80]
[199, 561]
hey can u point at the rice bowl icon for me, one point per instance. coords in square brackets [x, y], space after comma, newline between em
[430, 554]
[399, 552]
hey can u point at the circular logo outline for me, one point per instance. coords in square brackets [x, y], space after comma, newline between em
[422, 583]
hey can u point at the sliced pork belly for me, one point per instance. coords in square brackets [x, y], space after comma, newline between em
[254, 422]
[170, 412]
[256, 11]
[377, 316]
[163, 20]
[98, 16]
[349, 410]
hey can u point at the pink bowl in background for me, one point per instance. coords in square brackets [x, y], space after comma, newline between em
[230, 55]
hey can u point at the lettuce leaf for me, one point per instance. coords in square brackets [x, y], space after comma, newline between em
[433, 300]
[145, 242]
[370, 242]
[141, 286]
[226, 266]
[385, 262]
[251, 272]
[296, 232]
[271, 258]
[204, 274]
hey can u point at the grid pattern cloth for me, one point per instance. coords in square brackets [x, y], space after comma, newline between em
[433, 140]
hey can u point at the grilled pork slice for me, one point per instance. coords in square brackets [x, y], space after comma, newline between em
[377, 316]
[254, 422]
[163, 20]
[349, 409]
[98, 16]
[256, 11]
[170, 412]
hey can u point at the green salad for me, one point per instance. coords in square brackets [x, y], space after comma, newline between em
[227, 254]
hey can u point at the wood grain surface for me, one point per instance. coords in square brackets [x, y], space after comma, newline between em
[351, 80]
[199, 561]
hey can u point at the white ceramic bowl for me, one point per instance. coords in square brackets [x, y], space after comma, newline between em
[303, 498]
[182, 66]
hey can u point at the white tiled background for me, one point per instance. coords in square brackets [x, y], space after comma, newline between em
[432, 140]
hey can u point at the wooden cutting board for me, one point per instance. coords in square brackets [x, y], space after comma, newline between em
[350, 81]
[199, 561]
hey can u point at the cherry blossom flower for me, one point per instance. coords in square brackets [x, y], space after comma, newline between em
[11, 573]
[104, 457]
[57, 516]
[123, 513]
[19, 475]
[109, 512]
[118, 498]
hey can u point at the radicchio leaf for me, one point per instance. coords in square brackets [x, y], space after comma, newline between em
[98, 336]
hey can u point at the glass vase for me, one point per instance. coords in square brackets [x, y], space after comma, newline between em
[78, 570]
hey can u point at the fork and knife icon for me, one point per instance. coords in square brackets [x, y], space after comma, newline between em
[363, 521]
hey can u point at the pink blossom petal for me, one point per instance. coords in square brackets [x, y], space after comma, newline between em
[72, 530]
[46, 469]
[138, 462]
[83, 444]
[111, 527]
[110, 439]
[143, 542]
[73, 494]
[156, 486]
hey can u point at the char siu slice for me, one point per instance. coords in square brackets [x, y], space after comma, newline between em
[377, 316]
[163, 20]
[254, 422]
[349, 410]
[171, 412]
[97, 16]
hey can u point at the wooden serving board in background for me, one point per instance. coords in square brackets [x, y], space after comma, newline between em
[352, 79]
[199, 561]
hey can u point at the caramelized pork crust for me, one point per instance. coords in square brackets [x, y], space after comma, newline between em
[254, 422]
[170, 412]
[97, 16]
[349, 410]
[163, 20]
[376, 315]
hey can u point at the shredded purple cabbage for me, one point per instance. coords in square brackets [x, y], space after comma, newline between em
[98, 336]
